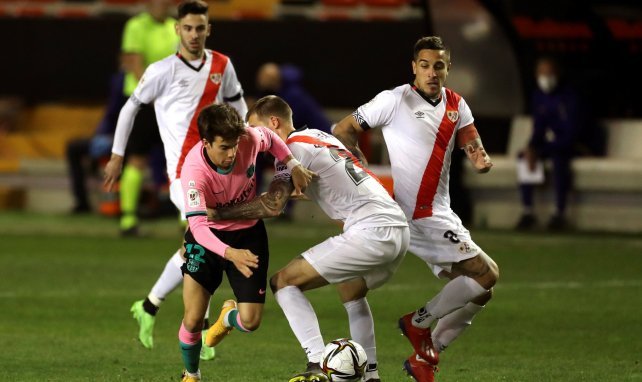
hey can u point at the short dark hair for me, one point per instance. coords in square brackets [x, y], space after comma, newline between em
[220, 120]
[271, 105]
[430, 42]
[194, 7]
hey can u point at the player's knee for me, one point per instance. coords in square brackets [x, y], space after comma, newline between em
[280, 280]
[490, 274]
[192, 324]
[251, 323]
[493, 272]
[483, 298]
[274, 283]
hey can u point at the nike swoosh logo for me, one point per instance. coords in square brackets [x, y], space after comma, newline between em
[261, 291]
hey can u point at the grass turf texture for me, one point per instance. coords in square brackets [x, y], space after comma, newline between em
[567, 308]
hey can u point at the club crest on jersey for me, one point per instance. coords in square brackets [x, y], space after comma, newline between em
[216, 78]
[193, 199]
[452, 115]
[250, 171]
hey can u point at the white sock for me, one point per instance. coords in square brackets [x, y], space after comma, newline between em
[362, 326]
[303, 321]
[169, 279]
[197, 374]
[453, 296]
[450, 326]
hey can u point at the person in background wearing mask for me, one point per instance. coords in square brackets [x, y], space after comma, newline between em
[556, 123]
[285, 81]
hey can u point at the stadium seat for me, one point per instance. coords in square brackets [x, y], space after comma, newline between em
[340, 9]
[121, 2]
[298, 2]
[385, 3]
[386, 10]
[73, 13]
[607, 191]
[30, 11]
[340, 3]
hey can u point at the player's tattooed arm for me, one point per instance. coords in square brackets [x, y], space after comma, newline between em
[347, 131]
[269, 204]
[468, 140]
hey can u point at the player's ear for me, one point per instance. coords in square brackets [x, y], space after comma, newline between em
[209, 29]
[177, 28]
[275, 122]
[414, 67]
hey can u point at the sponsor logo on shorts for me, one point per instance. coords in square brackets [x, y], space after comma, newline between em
[465, 248]
[191, 183]
[194, 254]
[193, 265]
[261, 291]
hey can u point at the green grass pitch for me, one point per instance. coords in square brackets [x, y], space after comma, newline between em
[568, 307]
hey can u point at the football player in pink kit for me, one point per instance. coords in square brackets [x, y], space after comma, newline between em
[364, 256]
[421, 123]
[219, 172]
[179, 86]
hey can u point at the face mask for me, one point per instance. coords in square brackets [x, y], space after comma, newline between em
[546, 83]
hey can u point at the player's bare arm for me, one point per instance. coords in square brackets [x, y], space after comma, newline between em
[269, 204]
[112, 171]
[468, 139]
[243, 260]
[347, 131]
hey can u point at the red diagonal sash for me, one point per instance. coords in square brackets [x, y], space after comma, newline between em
[432, 173]
[318, 142]
[217, 67]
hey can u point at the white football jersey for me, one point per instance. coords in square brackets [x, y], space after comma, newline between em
[420, 136]
[179, 91]
[344, 190]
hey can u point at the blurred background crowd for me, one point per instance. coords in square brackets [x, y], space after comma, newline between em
[553, 88]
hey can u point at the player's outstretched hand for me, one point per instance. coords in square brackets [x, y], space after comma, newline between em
[479, 158]
[112, 171]
[301, 177]
[243, 260]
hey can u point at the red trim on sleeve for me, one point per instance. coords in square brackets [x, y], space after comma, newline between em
[318, 142]
[212, 86]
[432, 174]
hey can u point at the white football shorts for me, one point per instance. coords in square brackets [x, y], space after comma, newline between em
[372, 253]
[441, 241]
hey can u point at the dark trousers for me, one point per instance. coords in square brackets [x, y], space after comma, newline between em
[561, 182]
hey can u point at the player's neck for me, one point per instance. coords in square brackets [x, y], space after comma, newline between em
[189, 56]
[285, 133]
